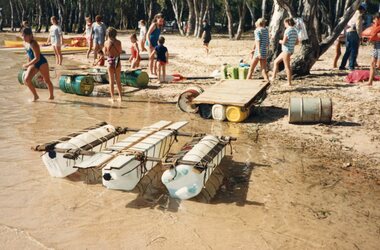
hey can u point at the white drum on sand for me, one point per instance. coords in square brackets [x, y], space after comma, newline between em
[219, 112]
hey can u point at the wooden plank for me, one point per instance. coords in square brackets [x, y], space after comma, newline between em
[239, 93]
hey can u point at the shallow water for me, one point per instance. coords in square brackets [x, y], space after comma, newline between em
[267, 200]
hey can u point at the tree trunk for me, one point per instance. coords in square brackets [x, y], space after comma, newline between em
[81, 16]
[263, 8]
[276, 30]
[196, 12]
[39, 18]
[252, 13]
[177, 9]
[12, 15]
[242, 11]
[191, 18]
[229, 19]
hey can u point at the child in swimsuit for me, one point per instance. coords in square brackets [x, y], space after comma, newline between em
[87, 34]
[142, 36]
[375, 52]
[288, 43]
[113, 51]
[260, 51]
[135, 53]
[162, 59]
[206, 35]
[101, 59]
[36, 62]
[56, 39]
[152, 38]
[98, 35]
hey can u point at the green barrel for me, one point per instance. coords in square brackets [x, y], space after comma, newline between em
[136, 78]
[233, 73]
[100, 75]
[80, 85]
[243, 73]
[37, 81]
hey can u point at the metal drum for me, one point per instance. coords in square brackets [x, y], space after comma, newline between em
[205, 111]
[310, 110]
[80, 85]
[37, 81]
[135, 78]
[100, 75]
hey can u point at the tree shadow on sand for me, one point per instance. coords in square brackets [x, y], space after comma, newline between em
[232, 187]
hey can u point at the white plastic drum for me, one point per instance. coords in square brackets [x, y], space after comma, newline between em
[219, 112]
[185, 99]
[185, 182]
[58, 166]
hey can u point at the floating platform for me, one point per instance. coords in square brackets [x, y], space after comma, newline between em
[240, 93]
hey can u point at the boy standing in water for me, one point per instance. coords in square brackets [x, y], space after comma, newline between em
[260, 49]
[56, 39]
[289, 41]
[113, 50]
[36, 62]
[162, 59]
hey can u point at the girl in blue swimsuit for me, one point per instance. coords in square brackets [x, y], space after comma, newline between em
[152, 36]
[36, 62]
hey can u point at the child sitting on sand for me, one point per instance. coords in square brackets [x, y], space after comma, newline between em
[135, 53]
[101, 59]
[162, 59]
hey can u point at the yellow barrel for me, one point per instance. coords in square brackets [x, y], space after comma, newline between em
[236, 114]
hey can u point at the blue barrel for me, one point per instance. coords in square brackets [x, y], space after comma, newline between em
[205, 111]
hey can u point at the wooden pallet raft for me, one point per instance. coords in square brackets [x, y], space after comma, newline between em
[234, 98]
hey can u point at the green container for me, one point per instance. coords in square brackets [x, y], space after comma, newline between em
[80, 85]
[233, 73]
[223, 71]
[37, 81]
[100, 75]
[136, 78]
[243, 73]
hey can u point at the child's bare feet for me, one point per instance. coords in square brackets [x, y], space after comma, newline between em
[51, 98]
[111, 100]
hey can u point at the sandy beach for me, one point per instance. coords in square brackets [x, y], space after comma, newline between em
[286, 186]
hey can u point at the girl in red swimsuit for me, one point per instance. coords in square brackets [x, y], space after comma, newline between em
[135, 53]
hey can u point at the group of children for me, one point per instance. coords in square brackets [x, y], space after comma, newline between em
[261, 47]
[158, 53]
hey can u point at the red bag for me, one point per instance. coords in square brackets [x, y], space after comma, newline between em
[360, 76]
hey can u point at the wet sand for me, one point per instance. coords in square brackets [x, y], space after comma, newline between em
[286, 186]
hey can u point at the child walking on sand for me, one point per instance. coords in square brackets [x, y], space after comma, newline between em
[206, 35]
[142, 35]
[36, 62]
[259, 52]
[376, 50]
[288, 43]
[162, 59]
[135, 53]
[56, 39]
[113, 51]
[87, 33]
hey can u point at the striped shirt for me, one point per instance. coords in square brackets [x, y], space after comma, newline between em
[262, 36]
[292, 35]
